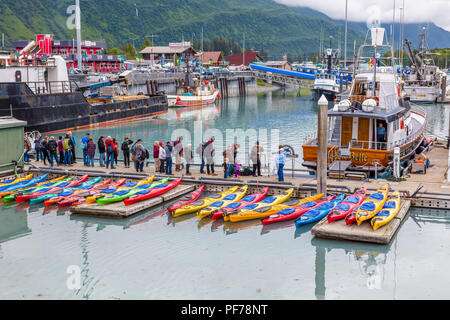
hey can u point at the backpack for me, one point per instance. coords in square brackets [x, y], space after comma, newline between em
[66, 144]
[41, 145]
[147, 154]
[110, 148]
[52, 146]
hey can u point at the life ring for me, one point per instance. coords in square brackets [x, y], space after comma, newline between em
[402, 124]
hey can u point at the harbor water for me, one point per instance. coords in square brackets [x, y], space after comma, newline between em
[154, 256]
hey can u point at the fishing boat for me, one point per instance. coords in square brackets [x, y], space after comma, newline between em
[374, 100]
[201, 95]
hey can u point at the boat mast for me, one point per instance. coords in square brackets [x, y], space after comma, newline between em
[78, 26]
[345, 37]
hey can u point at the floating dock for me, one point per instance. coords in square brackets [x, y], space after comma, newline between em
[120, 210]
[338, 230]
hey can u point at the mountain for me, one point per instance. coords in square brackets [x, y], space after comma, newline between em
[277, 28]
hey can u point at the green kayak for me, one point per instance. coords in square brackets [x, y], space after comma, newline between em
[123, 194]
[12, 197]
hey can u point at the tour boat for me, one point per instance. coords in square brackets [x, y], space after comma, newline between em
[353, 144]
[202, 95]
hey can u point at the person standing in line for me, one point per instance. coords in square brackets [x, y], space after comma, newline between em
[116, 150]
[187, 154]
[168, 149]
[235, 152]
[156, 156]
[140, 155]
[280, 159]
[73, 146]
[162, 157]
[67, 145]
[37, 147]
[255, 156]
[52, 147]
[230, 162]
[110, 150]
[61, 150]
[178, 149]
[27, 148]
[101, 150]
[84, 143]
[44, 149]
[90, 152]
[210, 160]
[126, 151]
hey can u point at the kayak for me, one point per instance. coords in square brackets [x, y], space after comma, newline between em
[64, 192]
[80, 198]
[59, 186]
[294, 213]
[320, 212]
[257, 210]
[23, 185]
[152, 192]
[232, 197]
[5, 185]
[252, 198]
[90, 185]
[203, 203]
[351, 217]
[11, 195]
[187, 199]
[390, 209]
[372, 205]
[127, 186]
[348, 205]
[123, 194]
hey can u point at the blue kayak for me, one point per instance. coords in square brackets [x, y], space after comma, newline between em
[27, 183]
[320, 212]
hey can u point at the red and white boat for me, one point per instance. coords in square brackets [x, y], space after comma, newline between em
[205, 94]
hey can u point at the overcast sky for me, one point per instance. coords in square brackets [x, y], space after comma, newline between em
[437, 11]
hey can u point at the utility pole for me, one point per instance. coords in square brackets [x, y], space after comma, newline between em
[243, 52]
[78, 26]
[152, 36]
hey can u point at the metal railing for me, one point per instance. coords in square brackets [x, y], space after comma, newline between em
[49, 87]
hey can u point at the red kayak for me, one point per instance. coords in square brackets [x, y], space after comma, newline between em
[252, 198]
[187, 199]
[152, 192]
[81, 197]
[348, 205]
[76, 192]
[60, 187]
[351, 217]
[294, 213]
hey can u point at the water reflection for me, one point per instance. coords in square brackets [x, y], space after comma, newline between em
[234, 227]
[13, 224]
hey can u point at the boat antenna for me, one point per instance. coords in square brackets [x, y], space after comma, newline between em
[345, 36]
[78, 26]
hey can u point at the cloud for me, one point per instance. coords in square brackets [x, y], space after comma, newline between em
[416, 11]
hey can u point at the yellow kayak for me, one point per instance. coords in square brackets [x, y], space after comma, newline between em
[5, 193]
[14, 181]
[258, 210]
[372, 204]
[232, 197]
[126, 186]
[388, 212]
[203, 203]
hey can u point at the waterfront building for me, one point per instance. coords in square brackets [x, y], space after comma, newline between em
[250, 56]
[93, 53]
[182, 50]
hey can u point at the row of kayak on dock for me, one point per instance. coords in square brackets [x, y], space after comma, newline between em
[68, 191]
[232, 205]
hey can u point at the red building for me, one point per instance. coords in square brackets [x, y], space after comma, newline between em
[238, 59]
[93, 52]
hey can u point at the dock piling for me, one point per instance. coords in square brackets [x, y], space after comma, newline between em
[322, 150]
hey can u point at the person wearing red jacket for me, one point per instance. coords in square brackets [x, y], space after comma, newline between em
[110, 152]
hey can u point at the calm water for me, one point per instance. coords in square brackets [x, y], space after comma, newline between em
[153, 256]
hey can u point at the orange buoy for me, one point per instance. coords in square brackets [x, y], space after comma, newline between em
[178, 99]
[218, 96]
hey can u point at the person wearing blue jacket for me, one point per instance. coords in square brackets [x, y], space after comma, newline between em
[84, 143]
[280, 160]
[37, 147]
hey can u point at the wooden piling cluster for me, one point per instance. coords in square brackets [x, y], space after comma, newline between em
[152, 87]
[241, 84]
[223, 86]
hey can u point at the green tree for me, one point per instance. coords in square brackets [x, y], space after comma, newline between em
[146, 43]
[130, 52]
[113, 51]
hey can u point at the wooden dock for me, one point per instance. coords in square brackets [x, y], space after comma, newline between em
[338, 230]
[120, 210]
